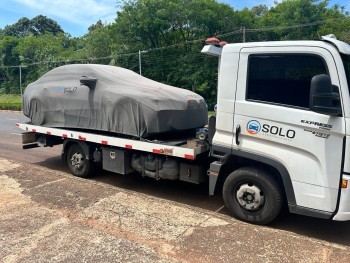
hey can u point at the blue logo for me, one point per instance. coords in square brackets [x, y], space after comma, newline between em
[253, 127]
[60, 91]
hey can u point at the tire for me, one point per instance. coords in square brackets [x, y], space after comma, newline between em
[37, 114]
[77, 162]
[252, 195]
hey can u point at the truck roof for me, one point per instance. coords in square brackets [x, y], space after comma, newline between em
[326, 41]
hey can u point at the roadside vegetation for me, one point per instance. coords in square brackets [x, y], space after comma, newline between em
[164, 36]
[10, 102]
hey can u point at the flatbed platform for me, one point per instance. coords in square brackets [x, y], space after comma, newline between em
[187, 150]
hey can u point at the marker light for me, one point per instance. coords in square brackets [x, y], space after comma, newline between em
[344, 183]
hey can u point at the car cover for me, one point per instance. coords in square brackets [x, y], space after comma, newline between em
[113, 99]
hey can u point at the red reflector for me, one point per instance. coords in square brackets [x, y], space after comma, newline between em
[82, 138]
[127, 146]
[64, 135]
[17, 124]
[33, 130]
[187, 156]
[156, 151]
[48, 133]
[104, 142]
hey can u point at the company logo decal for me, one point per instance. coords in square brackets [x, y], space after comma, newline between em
[63, 90]
[253, 127]
[320, 125]
[319, 134]
[60, 91]
[189, 97]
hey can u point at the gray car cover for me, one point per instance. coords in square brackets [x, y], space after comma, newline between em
[113, 99]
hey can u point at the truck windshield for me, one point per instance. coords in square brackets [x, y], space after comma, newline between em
[346, 62]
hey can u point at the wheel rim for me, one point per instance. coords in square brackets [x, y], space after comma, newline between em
[250, 197]
[77, 161]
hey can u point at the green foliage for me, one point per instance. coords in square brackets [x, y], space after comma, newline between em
[48, 48]
[293, 13]
[39, 25]
[10, 102]
[39, 44]
[101, 42]
[148, 24]
[7, 47]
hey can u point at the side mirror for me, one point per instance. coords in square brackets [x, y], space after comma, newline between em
[88, 81]
[324, 97]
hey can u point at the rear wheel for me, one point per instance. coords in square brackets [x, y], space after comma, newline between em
[77, 162]
[252, 195]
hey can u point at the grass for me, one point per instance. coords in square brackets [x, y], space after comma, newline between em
[10, 102]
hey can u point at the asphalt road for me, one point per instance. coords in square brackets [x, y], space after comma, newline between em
[337, 233]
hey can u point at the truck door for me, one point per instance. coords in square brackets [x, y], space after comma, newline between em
[272, 110]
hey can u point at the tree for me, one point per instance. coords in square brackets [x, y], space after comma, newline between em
[149, 24]
[7, 47]
[95, 26]
[46, 49]
[169, 34]
[338, 24]
[156, 23]
[101, 41]
[293, 12]
[260, 10]
[39, 25]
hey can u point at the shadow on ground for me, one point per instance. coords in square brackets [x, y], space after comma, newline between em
[197, 196]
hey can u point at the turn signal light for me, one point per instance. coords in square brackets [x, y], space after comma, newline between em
[344, 183]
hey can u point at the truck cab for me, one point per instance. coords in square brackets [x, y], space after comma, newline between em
[283, 122]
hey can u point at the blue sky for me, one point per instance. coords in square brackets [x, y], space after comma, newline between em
[75, 16]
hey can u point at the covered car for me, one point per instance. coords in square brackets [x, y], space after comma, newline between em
[112, 99]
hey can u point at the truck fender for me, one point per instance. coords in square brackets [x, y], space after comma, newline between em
[286, 180]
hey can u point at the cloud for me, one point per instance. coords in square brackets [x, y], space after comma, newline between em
[83, 12]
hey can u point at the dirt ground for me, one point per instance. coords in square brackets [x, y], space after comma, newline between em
[51, 216]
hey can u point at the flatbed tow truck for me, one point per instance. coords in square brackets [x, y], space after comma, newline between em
[280, 135]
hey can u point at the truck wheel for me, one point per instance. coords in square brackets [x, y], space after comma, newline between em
[77, 162]
[252, 195]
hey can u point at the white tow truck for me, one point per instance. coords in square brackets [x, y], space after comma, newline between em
[280, 135]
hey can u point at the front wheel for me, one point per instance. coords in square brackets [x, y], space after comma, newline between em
[77, 162]
[252, 195]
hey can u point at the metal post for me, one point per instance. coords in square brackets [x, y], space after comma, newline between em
[140, 62]
[244, 34]
[20, 78]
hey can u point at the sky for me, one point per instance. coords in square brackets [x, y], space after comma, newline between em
[75, 16]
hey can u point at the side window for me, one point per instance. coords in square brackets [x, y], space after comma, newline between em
[283, 79]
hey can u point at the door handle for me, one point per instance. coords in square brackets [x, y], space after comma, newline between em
[238, 131]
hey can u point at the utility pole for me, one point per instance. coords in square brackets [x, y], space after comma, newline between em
[20, 78]
[243, 31]
[140, 62]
